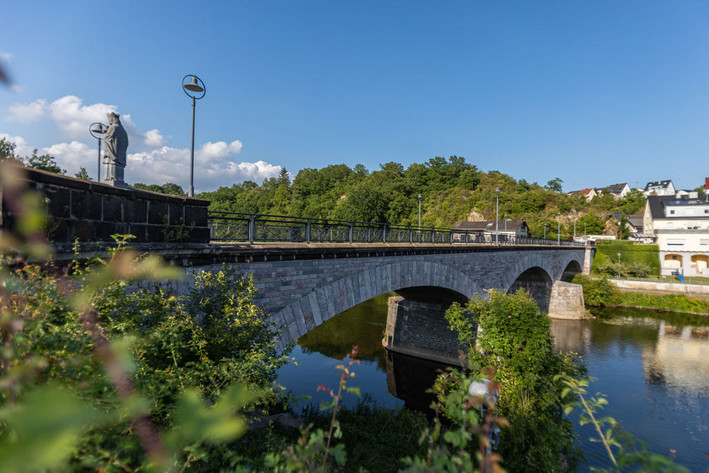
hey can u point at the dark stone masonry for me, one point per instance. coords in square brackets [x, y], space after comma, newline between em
[92, 212]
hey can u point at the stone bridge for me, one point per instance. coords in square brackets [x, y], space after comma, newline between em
[302, 286]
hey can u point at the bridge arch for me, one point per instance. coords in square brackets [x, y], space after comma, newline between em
[536, 274]
[324, 302]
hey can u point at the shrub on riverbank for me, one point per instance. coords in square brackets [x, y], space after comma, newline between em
[665, 302]
[597, 292]
[600, 292]
[516, 345]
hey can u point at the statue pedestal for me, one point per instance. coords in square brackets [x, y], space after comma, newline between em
[115, 183]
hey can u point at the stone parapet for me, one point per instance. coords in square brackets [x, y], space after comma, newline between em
[91, 212]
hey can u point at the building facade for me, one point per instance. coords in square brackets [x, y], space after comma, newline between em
[681, 229]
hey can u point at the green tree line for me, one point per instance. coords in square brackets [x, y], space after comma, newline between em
[452, 190]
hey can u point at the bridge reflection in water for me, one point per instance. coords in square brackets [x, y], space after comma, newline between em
[654, 369]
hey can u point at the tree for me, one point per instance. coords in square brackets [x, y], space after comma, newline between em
[82, 174]
[169, 188]
[7, 152]
[44, 162]
[554, 184]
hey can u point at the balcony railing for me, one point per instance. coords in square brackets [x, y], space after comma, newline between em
[254, 228]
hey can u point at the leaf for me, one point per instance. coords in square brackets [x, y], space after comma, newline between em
[355, 391]
[44, 428]
[195, 422]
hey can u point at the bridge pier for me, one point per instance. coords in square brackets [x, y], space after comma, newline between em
[566, 301]
[416, 326]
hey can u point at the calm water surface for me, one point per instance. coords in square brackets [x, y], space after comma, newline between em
[653, 368]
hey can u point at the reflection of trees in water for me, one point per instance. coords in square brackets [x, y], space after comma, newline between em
[362, 325]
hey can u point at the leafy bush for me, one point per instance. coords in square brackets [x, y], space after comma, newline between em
[598, 292]
[158, 358]
[515, 343]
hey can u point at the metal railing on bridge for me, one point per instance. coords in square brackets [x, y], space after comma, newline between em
[252, 228]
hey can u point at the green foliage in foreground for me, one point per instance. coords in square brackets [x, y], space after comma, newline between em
[625, 452]
[91, 373]
[516, 345]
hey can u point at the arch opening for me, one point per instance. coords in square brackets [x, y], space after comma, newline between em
[571, 270]
[537, 283]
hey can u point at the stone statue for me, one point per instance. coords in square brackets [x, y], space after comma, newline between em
[115, 143]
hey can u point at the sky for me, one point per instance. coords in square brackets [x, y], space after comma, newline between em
[593, 92]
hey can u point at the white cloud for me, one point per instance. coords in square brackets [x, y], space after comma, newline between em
[26, 113]
[72, 156]
[219, 150]
[214, 166]
[153, 138]
[7, 57]
[22, 149]
[73, 118]
[151, 162]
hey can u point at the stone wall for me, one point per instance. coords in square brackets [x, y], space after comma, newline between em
[92, 212]
[566, 301]
[665, 287]
[420, 329]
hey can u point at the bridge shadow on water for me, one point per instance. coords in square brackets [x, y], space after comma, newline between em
[392, 379]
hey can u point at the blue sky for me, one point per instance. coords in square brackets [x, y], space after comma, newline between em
[592, 92]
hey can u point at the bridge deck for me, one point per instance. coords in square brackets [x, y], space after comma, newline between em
[231, 252]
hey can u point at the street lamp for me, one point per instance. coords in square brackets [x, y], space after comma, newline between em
[198, 89]
[419, 213]
[97, 130]
[618, 265]
[574, 229]
[545, 231]
[558, 228]
[497, 215]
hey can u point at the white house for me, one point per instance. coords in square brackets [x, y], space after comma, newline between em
[681, 229]
[659, 188]
[588, 194]
[618, 191]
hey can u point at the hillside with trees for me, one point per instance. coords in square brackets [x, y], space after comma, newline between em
[452, 190]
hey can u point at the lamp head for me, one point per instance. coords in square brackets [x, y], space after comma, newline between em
[193, 87]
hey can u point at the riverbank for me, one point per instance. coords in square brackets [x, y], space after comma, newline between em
[657, 296]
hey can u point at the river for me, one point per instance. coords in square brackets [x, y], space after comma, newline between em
[652, 367]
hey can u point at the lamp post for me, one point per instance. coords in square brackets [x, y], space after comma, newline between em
[497, 215]
[545, 231]
[574, 230]
[558, 228]
[97, 130]
[419, 213]
[198, 89]
[618, 265]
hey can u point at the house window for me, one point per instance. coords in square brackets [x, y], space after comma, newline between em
[675, 242]
[706, 211]
[704, 242]
[672, 212]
